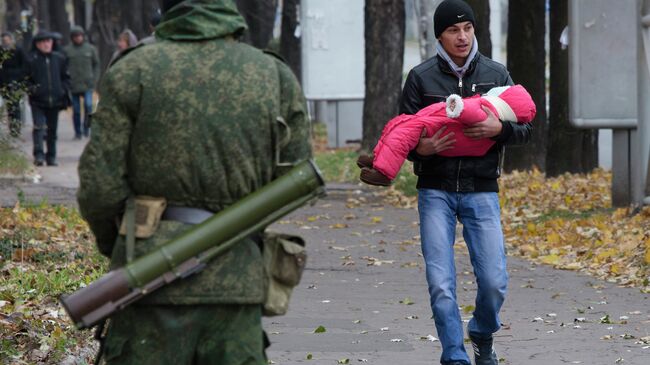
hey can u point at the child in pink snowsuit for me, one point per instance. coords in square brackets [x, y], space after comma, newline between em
[402, 133]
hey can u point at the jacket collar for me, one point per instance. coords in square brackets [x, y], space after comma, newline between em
[444, 66]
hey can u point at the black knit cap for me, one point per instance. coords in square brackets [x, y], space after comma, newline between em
[450, 12]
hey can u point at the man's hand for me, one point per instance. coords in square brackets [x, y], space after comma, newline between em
[435, 144]
[488, 128]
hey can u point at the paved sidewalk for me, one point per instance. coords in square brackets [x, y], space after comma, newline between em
[551, 317]
[56, 184]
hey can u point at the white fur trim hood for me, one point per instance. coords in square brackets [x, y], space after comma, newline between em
[455, 106]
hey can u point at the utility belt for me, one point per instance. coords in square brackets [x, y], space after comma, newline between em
[284, 255]
[186, 215]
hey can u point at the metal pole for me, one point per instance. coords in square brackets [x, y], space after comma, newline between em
[630, 170]
[322, 115]
[644, 96]
[621, 167]
[88, 8]
[641, 142]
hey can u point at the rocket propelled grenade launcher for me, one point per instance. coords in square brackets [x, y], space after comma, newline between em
[188, 253]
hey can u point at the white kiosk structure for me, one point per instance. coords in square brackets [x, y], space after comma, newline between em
[609, 67]
[333, 64]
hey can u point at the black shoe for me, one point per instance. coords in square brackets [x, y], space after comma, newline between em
[39, 162]
[484, 353]
[52, 163]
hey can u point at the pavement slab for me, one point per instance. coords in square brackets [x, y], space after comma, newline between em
[365, 284]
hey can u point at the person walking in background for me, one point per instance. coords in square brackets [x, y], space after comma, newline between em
[48, 85]
[13, 72]
[462, 188]
[83, 62]
[125, 40]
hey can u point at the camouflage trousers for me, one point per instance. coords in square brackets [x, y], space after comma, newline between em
[186, 335]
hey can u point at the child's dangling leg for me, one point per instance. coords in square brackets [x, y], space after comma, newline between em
[373, 177]
[365, 161]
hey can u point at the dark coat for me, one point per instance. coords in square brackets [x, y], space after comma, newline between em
[49, 81]
[14, 67]
[83, 65]
[431, 82]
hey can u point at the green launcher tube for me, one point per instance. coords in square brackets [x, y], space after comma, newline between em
[188, 253]
[232, 224]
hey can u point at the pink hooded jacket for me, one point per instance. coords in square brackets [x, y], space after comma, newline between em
[402, 133]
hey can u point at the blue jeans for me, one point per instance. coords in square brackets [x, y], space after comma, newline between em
[480, 215]
[76, 112]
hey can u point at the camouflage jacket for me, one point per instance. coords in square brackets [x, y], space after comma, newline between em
[191, 118]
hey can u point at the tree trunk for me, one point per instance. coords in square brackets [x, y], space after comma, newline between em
[79, 13]
[111, 17]
[260, 17]
[136, 16]
[12, 14]
[42, 14]
[52, 15]
[289, 40]
[22, 31]
[526, 62]
[132, 18]
[427, 36]
[569, 149]
[149, 7]
[384, 36]
[59, 20]
[482, 13]
[106, 25]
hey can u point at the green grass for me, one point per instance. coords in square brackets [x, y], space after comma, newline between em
[45, 251]
[406, 180]
[340, 166]
[11, 161]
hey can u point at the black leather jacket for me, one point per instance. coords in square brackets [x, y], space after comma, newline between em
[431, 82]
[49, 80]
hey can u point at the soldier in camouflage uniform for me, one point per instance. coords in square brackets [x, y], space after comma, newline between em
[190, 118]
